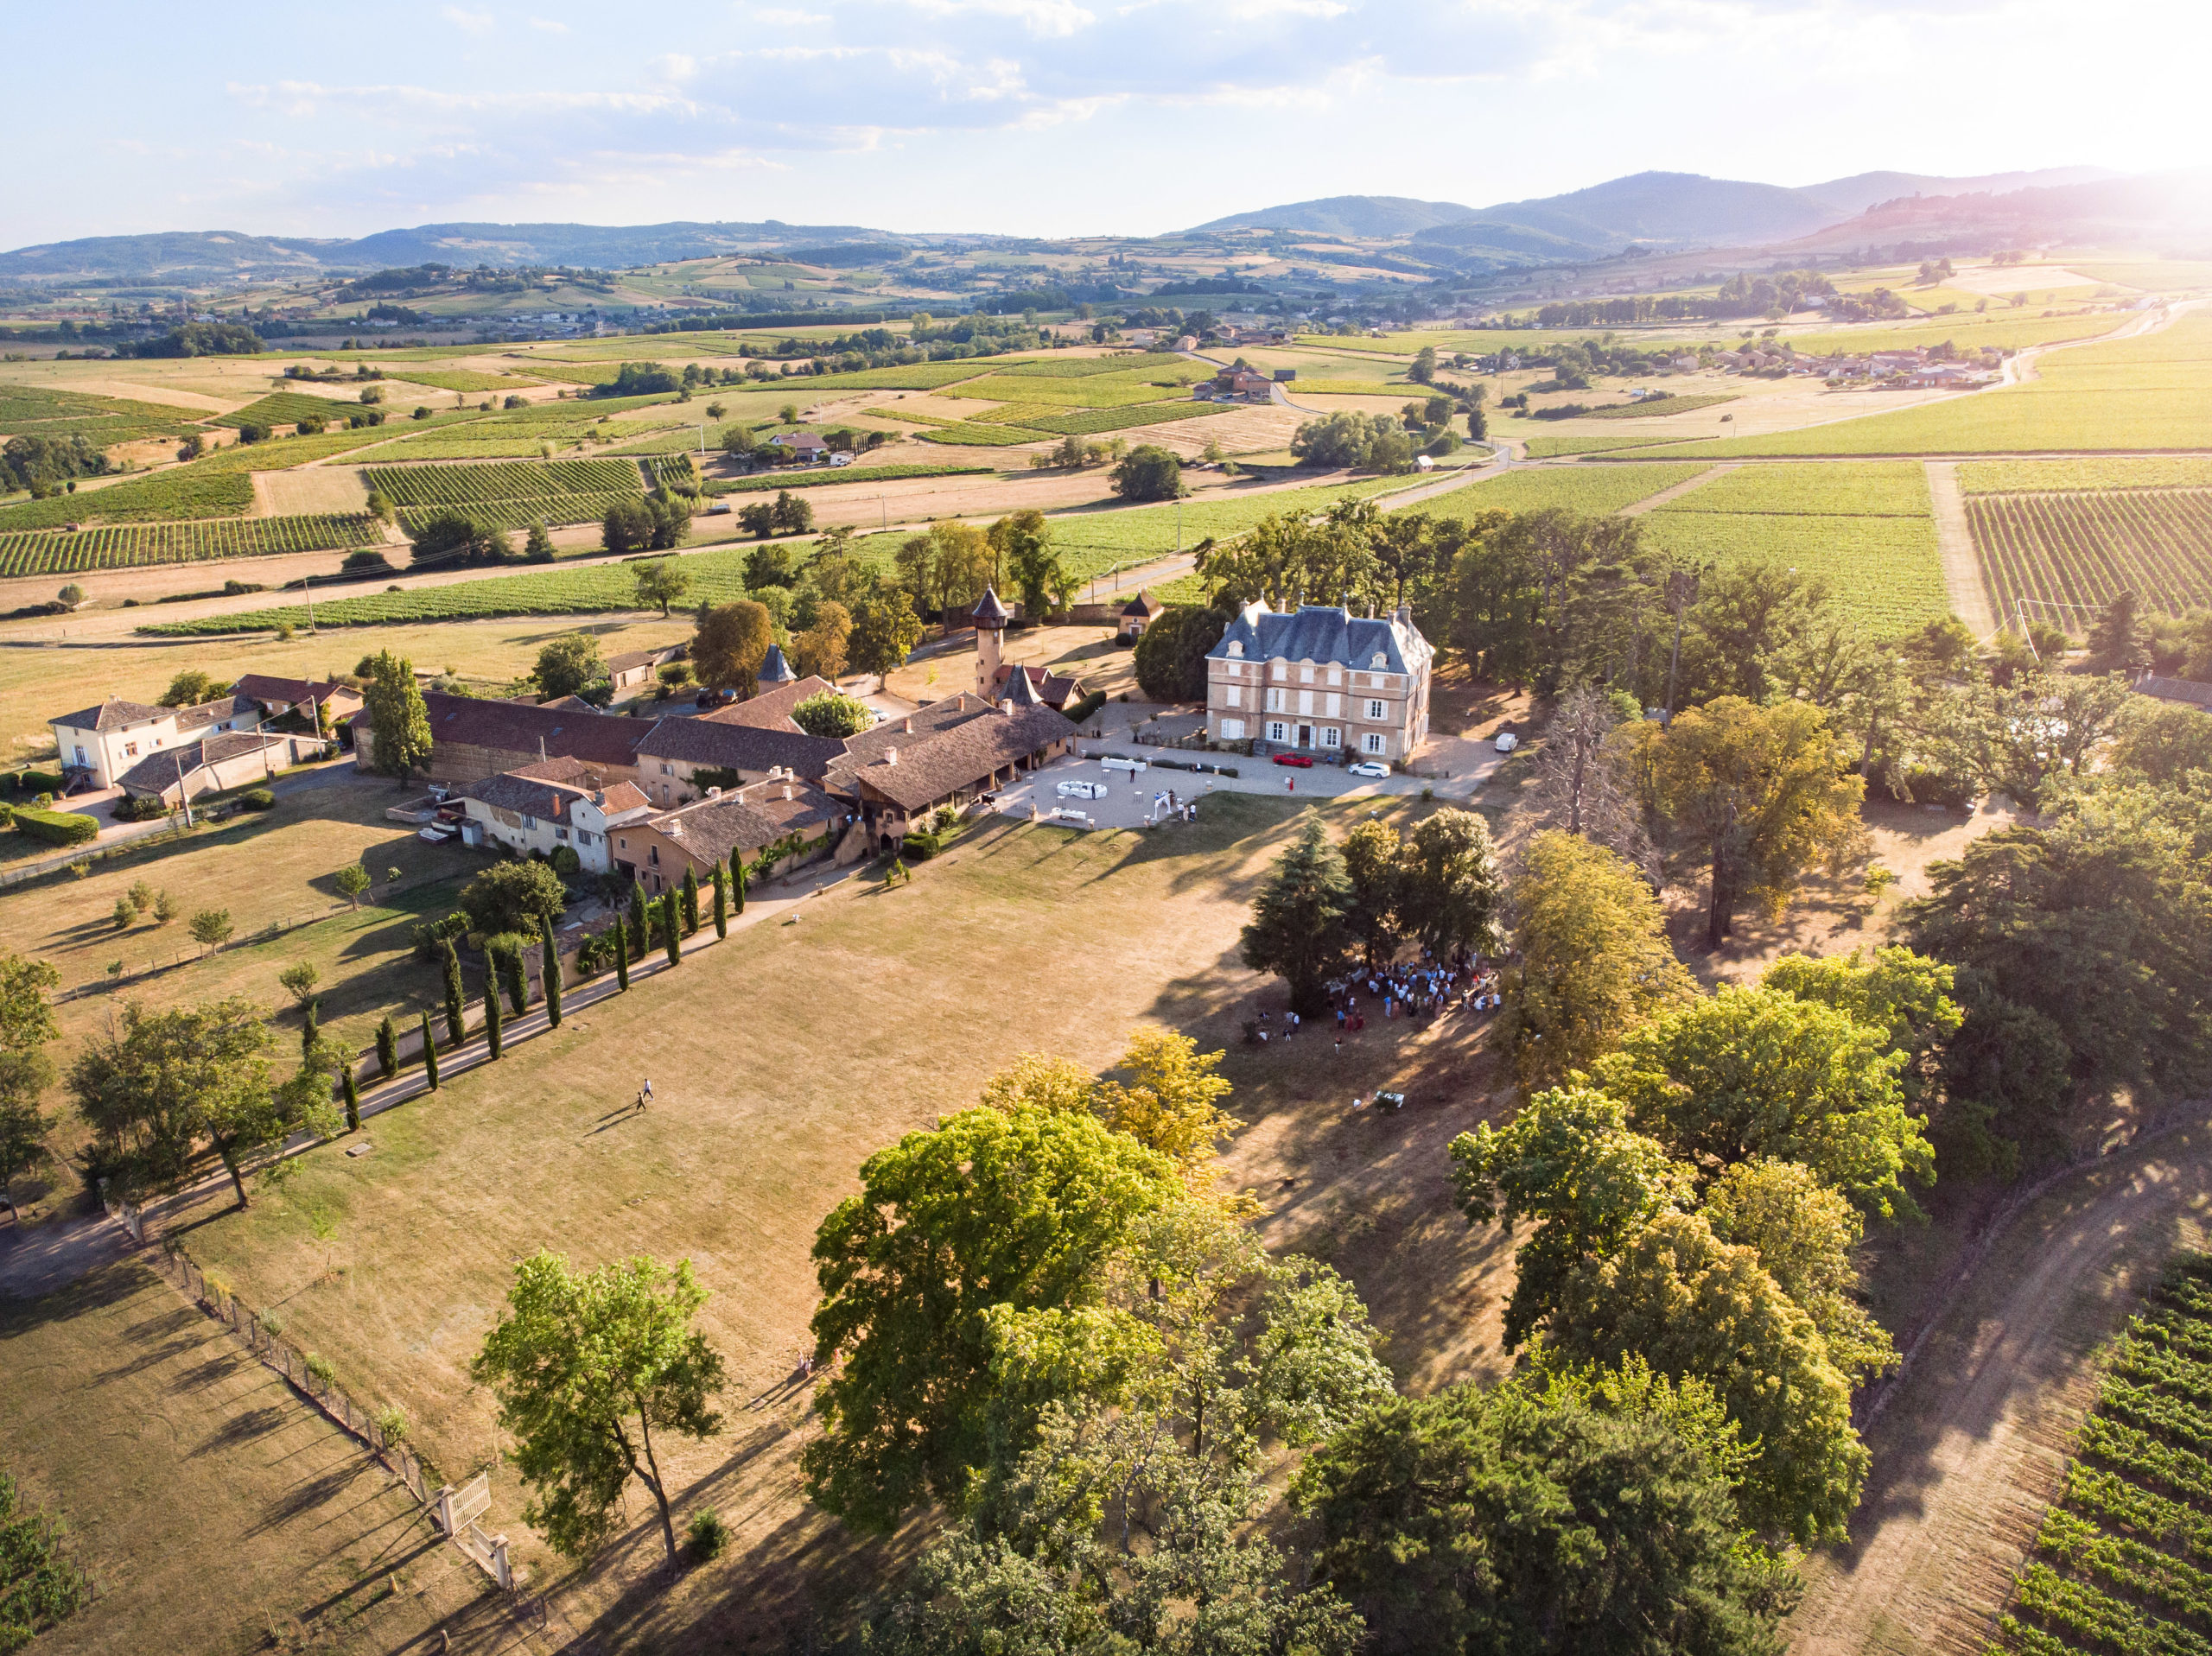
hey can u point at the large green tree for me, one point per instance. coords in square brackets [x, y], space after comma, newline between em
[568, 665]
[1450, 895]
[588, 1367]
[730, 642]
[1594, 960]
[399, 724]
[1171, 654]
[152, 1087]
[1374, 863]
[990, 1210]
[1590, 1514]
[1758, 790]
[885, 629]
[1751, 1073]
[1695, 1307]
[26, 1026]
[1299, 929]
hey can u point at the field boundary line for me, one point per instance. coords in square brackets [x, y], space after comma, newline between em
[1955, 541]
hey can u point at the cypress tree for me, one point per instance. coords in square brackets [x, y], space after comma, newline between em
[309, 1030]
[722, 902]
[691, 900]
[670, 934]
[737, 881]
[622, 956]
[552, 974]
[492, 1018]
[638, 935]
[388, 1047]
[518, 980]
[429, 1054]
[456, 999]
[352, 1101]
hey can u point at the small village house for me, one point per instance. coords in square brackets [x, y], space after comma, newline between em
[98, 745]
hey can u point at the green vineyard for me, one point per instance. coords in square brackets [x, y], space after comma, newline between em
[2123, 1557]
[2060, 557]
[120, 546]
[459, 485]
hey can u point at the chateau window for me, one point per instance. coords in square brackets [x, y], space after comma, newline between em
[1232, 730]
[1374, 709]
[1277, 731]
[1236, 696]
[1332, 737]
[1371, 742]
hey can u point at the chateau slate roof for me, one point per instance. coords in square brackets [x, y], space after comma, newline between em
[1323, 633]
[989, 612]
[774, 669]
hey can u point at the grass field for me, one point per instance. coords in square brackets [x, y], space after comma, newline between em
[1873, 489]
[289, 408]
[40, 552]
[821, 477]
[1590, 442]
[1092, 422]
[2075, 552]
[1999, 328]
[2125, 1557]
[1657, 408]
[970, 433]
[2030, 477]
[1090, 542]
[39, 411]
[738, 1161]
[1593, 488]
[185, 492]
[216, 1511]
[462, 379]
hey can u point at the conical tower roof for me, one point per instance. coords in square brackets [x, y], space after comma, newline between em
[1019, 692]
[990, 612]
[774, 669]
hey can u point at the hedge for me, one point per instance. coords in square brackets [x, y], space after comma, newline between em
[1088, 706]
[57, 827]
[35, 782]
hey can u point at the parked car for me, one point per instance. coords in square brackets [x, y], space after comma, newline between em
[714, 698]
[1296, 761]
[1506, 741]
[1370, 768]
[1083, 790]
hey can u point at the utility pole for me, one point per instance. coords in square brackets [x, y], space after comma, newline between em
[307, 586]
[182, 792]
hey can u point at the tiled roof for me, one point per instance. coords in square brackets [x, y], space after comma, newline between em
[160, 770]
[512, 728]
[1143, 604]
[1048, 687]
[630, 659]
[746, 818]
[906, 730]
[2175, 689]
[261, 687]
[1325, 633]
[738, 747]
[204, 714]
[531, 796]
[111, 715]
[931, 767]
[771, 708]
[584, 777]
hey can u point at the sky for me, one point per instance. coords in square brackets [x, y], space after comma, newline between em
[1047, 117]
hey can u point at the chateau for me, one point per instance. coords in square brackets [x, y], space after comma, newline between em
[1320, 680]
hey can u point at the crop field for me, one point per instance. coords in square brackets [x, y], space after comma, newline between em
[1871, 489]
[1091, 543]
[910, 417]
[2034, 477]
[2125, 1561]
[124, 545]
[915, 377]
[716, 577]
[35, 411]
[1080, 367]
[2001, 329]
[2081, 550]
[818, 477]
[1100, 391]
[1590, 442]
[1658, 408]
[2153, 391]
[460, 379]
[288, 408]
[1888, 572]
[969, 435]
[1595, 490]
[185, 492]
[1024, 413]
[1089, 422]
[448, 486]
[576, 373]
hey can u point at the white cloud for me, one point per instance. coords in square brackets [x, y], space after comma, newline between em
[550, 25]
[469, 23]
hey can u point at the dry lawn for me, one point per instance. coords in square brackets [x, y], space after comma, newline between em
[310, 489]
[217, 1512]
[780, 1061]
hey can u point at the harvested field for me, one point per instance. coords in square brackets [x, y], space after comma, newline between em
[310, 489]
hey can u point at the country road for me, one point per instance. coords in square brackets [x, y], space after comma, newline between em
[1971, 1448]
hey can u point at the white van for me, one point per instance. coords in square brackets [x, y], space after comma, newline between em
[1135, 767]
[1082, 790]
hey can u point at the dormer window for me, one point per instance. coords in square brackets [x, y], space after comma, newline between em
[1378, 661]
[1235, 650]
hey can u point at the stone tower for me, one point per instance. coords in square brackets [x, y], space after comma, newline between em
[990, 618]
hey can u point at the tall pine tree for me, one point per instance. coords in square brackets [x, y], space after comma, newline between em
[722, 902]
[1299, 930]
[690, 901]
[638, 935]
[353, 1099]
[429, 1054]
[309, 1029]
[388, 1047]
[622, 956]
[670, 935]
[491, 1017]
[456, 999]
[737, 881]
[552, 974]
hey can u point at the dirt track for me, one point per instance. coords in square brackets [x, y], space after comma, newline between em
[1970, 1451]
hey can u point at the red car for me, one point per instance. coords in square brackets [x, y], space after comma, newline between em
[1298, 760]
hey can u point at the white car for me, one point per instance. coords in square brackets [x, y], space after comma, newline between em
[1506, 741]
[1369, 768]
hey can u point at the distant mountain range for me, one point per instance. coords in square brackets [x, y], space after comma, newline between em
[1646, 209]
[1658, 212]
[202, 255]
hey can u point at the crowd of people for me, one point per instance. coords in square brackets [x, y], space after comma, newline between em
[1427, 989]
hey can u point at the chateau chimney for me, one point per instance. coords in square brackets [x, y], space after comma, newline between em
[788, 794]
[906, 725]
[891, 756]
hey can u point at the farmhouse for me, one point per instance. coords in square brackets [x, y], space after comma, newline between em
[541, 808]
[277, 696]
[231, 759]
[471, 740]
[945, 753]
[98, 745]
[655, 848]
[1320, 679]
[804, 444]
[635, 667]
[771, 708]
[1139, 613]
[674, 752]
